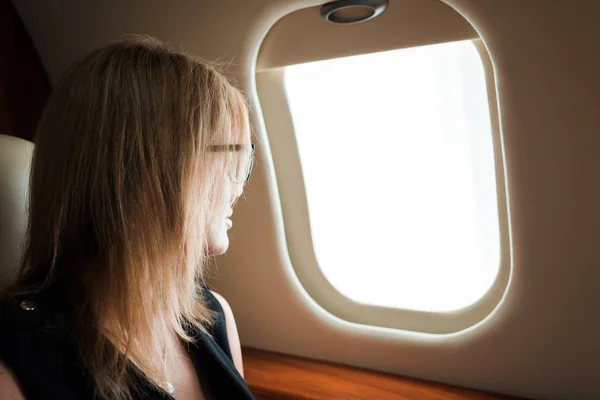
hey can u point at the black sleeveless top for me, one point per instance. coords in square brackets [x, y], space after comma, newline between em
[39, 348]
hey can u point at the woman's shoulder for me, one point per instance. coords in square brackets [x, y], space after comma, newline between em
[33, 311]
[38, 347]
[36, 327]
[32, 321]
[218, 328]
[18, 313]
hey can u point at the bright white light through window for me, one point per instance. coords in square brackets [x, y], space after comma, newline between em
[398, 161]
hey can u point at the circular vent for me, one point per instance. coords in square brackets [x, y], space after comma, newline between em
[352, 11]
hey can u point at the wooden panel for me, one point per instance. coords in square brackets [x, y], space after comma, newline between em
[274, 376]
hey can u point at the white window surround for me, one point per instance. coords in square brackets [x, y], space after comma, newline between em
[282, 139]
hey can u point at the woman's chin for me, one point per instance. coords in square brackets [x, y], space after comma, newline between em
[219, 247]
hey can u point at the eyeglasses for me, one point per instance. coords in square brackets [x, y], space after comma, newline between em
[236, 147]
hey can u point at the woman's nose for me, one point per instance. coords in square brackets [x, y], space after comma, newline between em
[236, 192]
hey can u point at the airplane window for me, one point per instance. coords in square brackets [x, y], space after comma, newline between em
[397, 156]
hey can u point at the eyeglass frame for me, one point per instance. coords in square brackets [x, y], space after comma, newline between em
[237, 147]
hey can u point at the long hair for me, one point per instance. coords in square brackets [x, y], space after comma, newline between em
[125, 181]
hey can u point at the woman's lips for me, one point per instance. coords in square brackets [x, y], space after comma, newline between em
[229, 223]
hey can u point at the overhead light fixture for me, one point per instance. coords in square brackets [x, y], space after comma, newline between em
[352, 11]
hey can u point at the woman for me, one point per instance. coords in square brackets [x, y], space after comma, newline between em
[140, 155]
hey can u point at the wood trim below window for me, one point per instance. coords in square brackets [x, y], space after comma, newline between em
[273, 376]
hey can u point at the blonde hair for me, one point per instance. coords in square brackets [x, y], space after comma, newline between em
[125, 181]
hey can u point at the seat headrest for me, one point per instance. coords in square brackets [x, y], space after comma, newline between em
[15, 164]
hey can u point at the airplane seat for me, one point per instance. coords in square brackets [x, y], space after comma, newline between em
[15, 163]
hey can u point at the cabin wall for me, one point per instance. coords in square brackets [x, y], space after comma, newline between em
[24, 87]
